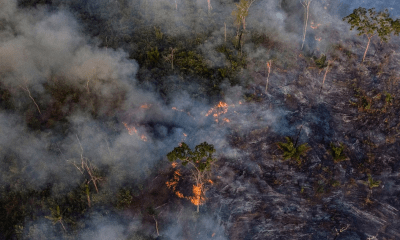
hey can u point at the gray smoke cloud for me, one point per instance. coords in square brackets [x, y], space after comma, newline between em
[42, 48]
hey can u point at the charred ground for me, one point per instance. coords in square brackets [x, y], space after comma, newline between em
[91, 163]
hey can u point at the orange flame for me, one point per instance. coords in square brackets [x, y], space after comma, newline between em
[218, 110]
[222, 105]
[143, 137]
[174, 181]
[179, 110]
[198, 190]
[314, 26]
[131, 130]
[180, 195]
[197, 199]
[145, 106]
[184, 134]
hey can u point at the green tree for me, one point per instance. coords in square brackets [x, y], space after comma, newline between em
[241, 12]
[201, 161]
[56, 216]
[290, 151]
[371, 23]
[153, 55]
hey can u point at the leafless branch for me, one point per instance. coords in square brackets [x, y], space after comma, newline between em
[30, 96]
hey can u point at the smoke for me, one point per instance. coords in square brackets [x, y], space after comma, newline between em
[70, 99]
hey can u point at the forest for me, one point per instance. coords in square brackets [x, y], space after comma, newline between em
[205, 119]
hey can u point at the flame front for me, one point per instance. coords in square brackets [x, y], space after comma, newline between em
[171, 184]
[180, 110]
[131, 130]
[145, 106]
[197, 199]
[198, 189]
[143, 137]
[314, 26]
[220, 109]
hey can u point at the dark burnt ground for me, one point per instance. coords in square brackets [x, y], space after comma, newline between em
[258, 196]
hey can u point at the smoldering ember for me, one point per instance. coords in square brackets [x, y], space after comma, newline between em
[206, 119]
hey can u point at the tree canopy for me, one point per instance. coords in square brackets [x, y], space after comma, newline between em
[201, 157]
[370, 23]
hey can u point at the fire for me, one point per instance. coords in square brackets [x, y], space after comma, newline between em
[314, 26]
[198, 189]
[180, 195]
[318, 39]
[184, 134]
[221, 105]
[197, 199]
[131, 130]
[179, 110]
[174, 181]
[143, 137]
[145, 106]
[213, 235]
[220, 109]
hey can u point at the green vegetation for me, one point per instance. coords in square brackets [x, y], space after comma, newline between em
[192, 63]
[320, 62]
[378, 103]
[153, 56]
[371, 183]
[291, 151]
[338, 152]
[200, 64]
[371, 23]
[159, 34]
[241, 12]
[201, 160]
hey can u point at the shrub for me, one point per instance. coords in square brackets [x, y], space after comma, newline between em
[337, 152]
[320, 62]
[290, 151]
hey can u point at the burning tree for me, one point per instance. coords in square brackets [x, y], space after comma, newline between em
[200, 161]
[371, 23]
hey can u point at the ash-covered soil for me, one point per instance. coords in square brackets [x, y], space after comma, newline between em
[257, 195]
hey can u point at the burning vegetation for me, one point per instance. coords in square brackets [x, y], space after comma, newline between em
[267, 138]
